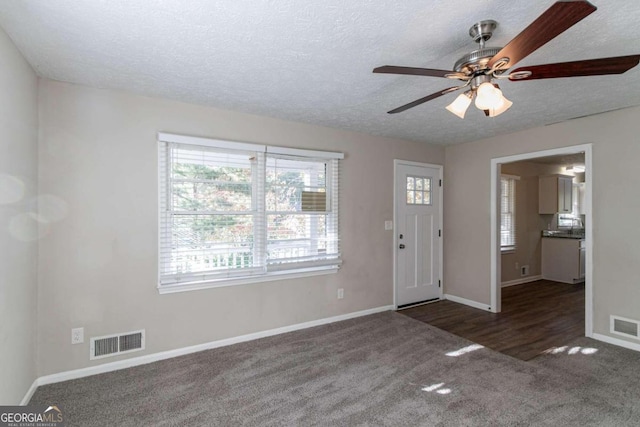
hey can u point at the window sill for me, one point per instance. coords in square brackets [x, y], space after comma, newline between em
[509, 250]
[269, 277]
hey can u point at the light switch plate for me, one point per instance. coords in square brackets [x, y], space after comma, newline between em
[388, 225]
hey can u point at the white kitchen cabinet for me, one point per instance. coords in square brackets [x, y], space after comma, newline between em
[555, 194]
[563, 260]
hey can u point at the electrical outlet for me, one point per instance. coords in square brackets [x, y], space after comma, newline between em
[517, 266]
[77, 336]
[524, 271]
[340, 293]
[388, 225]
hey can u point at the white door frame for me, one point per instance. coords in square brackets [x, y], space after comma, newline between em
[440, 168]
[496, 292]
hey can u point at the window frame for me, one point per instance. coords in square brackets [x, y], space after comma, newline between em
[512, 179]
[270, 270]
[422, 191]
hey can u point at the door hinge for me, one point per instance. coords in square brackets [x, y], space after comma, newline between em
[439, 283]
[439, 233]
[440, 183]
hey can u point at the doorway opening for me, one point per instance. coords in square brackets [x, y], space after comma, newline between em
[556, 214]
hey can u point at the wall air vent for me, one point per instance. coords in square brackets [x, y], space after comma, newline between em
[626, 327]
[113, 345]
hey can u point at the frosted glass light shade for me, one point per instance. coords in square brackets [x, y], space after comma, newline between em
[488, 96]
[460, 104]
[504, 105]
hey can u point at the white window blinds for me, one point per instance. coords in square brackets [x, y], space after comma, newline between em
[508, 213]
[233, 213]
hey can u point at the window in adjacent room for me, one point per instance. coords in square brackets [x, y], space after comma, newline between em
[237, 213]
[508, 213]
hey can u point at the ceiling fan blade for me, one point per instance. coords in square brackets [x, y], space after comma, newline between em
[589, 67]
[561, 16]
[392, 69]
[423, 100]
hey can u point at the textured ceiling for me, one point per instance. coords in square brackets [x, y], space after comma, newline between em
[564, 159]
[312, 61]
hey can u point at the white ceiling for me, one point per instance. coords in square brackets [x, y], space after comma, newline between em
[563, 159]
[312, 61]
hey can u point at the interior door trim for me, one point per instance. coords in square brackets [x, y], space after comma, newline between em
[496, 163]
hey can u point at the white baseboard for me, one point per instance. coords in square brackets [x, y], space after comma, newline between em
[468, 302]
[27, 397]
[616, 341]
[521, 281]
[149, 358]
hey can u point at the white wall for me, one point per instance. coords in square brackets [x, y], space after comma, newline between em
[98, 265]
[616, 238]
[18, 233]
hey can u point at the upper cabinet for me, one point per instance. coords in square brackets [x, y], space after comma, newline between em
[555, 194]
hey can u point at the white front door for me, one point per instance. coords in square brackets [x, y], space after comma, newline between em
[418, 233]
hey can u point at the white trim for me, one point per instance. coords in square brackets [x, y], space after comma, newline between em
[507, 176]
[267, 277]
[150, 358]
[495, 247]
[616, 341]
[397, 162]
[29, 394]
[468, 302]
[496, 251]
[246, 146]
[521, 281]
[306, 153]
[210, 142]
[588, 211]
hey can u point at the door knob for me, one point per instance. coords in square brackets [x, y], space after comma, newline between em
[401, 246]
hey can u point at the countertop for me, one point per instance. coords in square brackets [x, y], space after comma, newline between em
[579, 235]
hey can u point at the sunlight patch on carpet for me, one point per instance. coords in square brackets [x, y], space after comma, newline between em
[437, 388]
[572, 350]
[465, 350]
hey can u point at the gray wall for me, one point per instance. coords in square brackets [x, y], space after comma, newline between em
[98, 155]
[616, 239]
[18, 233]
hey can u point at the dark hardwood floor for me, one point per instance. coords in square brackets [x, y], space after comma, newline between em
[535, 316]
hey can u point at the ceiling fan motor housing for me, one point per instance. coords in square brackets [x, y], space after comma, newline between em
[475, 61]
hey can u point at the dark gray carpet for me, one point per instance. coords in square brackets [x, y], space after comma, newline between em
[384, 369]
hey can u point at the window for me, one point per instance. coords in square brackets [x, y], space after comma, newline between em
[418, 190]
[573, 219]
[236, 213]
[508, 213]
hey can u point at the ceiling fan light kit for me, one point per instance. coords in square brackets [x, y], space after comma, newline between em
[460, 104]
[479, 68]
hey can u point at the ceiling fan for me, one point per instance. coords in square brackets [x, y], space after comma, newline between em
[481, 67]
